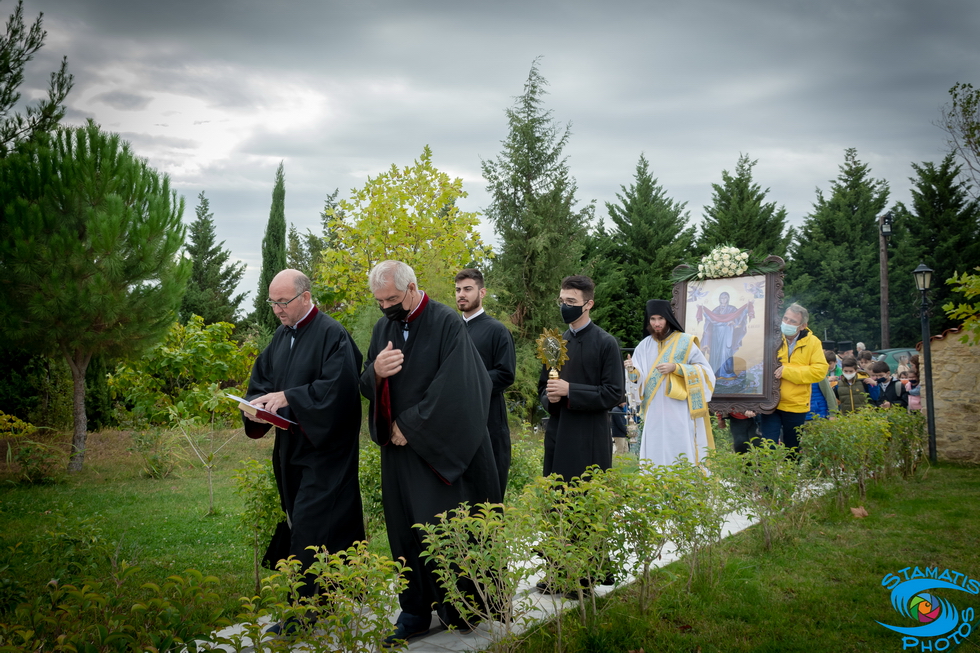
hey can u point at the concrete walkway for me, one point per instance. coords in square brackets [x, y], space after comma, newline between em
[542, 607]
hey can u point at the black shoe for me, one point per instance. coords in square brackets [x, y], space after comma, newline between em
[547, 588]
[408, 627]
[610, 579]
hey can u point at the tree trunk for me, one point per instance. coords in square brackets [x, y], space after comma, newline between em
[78, 364]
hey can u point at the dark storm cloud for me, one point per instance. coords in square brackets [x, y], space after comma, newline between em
[124, 101]
[691, 84]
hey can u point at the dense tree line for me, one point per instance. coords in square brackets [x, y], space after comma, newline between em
[92, 286]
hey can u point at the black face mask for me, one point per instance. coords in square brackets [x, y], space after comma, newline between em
[396, 312]
[570, 313]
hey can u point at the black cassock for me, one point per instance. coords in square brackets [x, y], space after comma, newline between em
[315, 463]
[579, 432]
[496, 347]
[439, 400]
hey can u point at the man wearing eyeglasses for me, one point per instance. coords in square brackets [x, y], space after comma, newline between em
[590, 384]
[308, 374]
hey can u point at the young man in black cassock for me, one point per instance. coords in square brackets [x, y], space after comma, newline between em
[496, 347]
[590, 384]
[430, 395]
[309, 374]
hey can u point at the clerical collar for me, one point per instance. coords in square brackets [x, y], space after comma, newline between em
[418, 309]
[306, 319]
[575, 332]
[475, 315]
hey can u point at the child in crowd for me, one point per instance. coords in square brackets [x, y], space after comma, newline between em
[890, 392]
[912, 389]
[743, 427]
[854, 388]
[823, 403]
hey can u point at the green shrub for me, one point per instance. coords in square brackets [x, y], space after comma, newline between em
[526, 460]
[255, 483]
[477, 554]
[369, 477]
[765, 482]
[159, 451]
[186, 372]
[850, 450]
[907, 446]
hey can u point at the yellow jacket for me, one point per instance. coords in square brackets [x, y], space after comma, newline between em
[806, 366]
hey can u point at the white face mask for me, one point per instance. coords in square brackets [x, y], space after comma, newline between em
[850, 375]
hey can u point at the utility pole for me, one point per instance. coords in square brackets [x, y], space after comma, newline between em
[884, 231]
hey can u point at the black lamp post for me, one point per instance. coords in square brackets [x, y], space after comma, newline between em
[923, 281]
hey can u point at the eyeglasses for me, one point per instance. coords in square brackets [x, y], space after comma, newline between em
[282, 304]
[573, 302]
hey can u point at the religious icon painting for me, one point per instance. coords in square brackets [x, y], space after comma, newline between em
[736, 320]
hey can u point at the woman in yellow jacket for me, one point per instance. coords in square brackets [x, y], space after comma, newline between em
[803, 363]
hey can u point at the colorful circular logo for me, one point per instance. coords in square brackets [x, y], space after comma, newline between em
[925, 607]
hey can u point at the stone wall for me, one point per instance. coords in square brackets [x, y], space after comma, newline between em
[956, 392]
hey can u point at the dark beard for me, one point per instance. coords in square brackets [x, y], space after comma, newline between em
[666, 334]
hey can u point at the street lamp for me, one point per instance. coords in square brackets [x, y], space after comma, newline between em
[923, 281]
[885, 231]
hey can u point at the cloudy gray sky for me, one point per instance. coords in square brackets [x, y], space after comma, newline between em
[217, 92]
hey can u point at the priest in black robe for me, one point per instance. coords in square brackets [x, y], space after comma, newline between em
[496, 347]
[590, 384]
[429, 396]
[309, 374]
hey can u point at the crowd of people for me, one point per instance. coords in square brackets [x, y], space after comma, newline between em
[434, 380]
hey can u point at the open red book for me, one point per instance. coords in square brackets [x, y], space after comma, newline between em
[276, 420]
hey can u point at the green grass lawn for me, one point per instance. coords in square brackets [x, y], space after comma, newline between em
[818, 590]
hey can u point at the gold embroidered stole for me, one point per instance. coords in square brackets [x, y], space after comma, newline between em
[690, 386]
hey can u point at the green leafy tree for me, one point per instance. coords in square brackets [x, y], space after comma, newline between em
[304, 251]
[960, 119]
[184, 372]
[966, 314]
[408, 214]
[833, 270]
[632, 262]
[941, 227]
[273, 254]
[17, 47]
[210, 291]
[533, 212]
[740, 216]
[89, 253]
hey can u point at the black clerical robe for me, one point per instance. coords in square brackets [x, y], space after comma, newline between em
[579, 432]
[439, 400]
[315, 462]
[496, 347]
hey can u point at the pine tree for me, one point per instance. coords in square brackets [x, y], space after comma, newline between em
[17, 47]
[532, 210]
[740, 216]
[89, 253]
[273, 254]
[634, 260]
[833, 271]
[942, 229]
[304, 252]
[213, 279]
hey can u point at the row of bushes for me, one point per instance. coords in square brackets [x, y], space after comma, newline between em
[574, 535]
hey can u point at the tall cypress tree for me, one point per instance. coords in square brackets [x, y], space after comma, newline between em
[833, 270]
[940, 228]
[213, 279]
[740, 216]
[533, 211]
[89, 253]
[650, 237]
[273, 254]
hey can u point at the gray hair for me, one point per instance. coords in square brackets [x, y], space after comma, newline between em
[400, 273]
[302, 283]
[802, 312]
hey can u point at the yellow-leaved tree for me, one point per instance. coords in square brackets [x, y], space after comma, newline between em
[408, 214]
